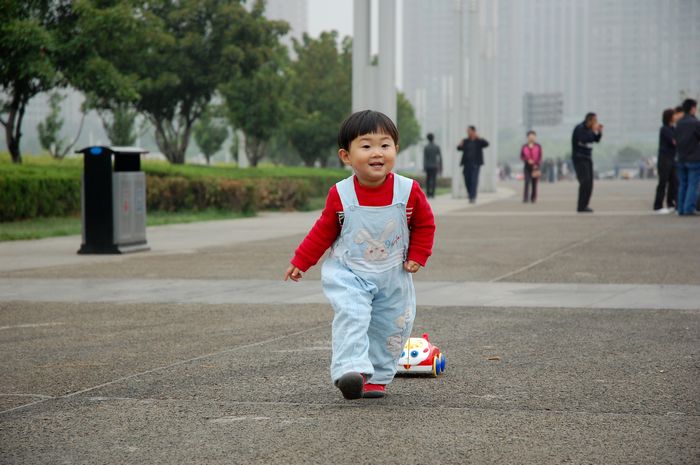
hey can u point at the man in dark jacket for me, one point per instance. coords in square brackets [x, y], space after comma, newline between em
[432, 164]
[472, 158]
[688, 147]
[582, 139]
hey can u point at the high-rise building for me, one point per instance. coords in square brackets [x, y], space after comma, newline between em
[626, 60]
[450, 75]
[430, 61]
[643, 55]
[543, 49]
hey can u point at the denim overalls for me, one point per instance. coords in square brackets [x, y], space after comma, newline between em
[372, 295]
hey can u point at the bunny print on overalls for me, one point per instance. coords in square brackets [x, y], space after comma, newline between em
[377, 249]
[371, 294]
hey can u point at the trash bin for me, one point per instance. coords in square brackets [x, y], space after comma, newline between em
[113, 201]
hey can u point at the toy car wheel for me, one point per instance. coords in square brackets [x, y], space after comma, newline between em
[436, 364]
[442, 363]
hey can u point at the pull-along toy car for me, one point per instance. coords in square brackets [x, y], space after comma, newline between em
[419, 356]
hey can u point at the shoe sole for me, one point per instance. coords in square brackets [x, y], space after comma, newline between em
[373, 394]
[351, 385]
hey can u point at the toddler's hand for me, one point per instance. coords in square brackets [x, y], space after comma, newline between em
[294, 273]
[411, 266]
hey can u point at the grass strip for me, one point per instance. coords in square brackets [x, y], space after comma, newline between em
[39, 228]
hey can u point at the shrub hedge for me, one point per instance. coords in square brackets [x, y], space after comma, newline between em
[176, 193]
[46, 188]
[25, 196]
[37, 190]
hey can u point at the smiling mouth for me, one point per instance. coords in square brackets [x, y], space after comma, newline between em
[376, 165]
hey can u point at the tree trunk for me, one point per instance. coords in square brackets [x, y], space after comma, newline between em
[184, 140]
[13, 146]
[254, 150]
[13, 126]
[62, 154]
[171, 141]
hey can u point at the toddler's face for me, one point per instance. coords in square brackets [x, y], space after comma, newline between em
[371, 156]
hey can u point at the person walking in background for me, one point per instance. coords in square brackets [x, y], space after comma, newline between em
[432, 164]
[688, 147]
[665, 164]
[472, 158]
[582, 139]
[531, 155]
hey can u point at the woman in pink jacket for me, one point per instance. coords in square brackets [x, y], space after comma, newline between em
[531, 155]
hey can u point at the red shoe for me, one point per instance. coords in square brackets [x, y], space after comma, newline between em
[374, 391]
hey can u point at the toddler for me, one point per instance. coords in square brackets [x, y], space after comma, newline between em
[380, 228]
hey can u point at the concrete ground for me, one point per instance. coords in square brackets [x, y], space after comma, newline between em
[569, 339]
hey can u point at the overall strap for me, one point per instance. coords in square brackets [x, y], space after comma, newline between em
[402, 189]
[346, 191]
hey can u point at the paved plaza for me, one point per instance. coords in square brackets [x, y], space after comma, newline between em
[569, 339]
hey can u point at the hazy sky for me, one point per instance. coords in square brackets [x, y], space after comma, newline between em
[325, 15]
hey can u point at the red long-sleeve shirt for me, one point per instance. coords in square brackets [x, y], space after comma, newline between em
[325, 231]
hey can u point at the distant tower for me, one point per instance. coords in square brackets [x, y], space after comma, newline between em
[373, 85]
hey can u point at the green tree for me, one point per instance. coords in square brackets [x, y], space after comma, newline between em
[171, 58]
[409, 129]
[206, 42]
[27, 67]
[120, 124]
[281, 152]
[50, 129]
[320, 95]
[99, 41]
[86, 32]
[254, 97]
[209, 133]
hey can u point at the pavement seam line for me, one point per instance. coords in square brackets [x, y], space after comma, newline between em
[395, 407]
[600, 303]
[552, 255]
[165, 367]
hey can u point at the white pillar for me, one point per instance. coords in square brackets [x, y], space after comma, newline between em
[242, 158]
[482, 85]
[457, 126]
[374, 87]
[488, 27]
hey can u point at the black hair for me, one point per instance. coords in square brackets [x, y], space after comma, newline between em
[430, 136]
[667, 116]
[589, 116]
[531, 132]
[689, 104]
[366, 122]
[473, 128]
[678, 109]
